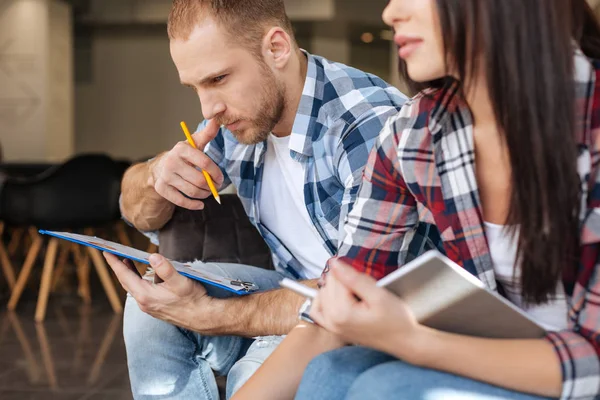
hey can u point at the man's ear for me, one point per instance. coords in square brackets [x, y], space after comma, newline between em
[277, 47]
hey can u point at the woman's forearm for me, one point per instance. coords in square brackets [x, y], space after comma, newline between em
[280, 375]
[529, 366]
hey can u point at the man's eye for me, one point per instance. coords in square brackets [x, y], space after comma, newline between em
[219, 78]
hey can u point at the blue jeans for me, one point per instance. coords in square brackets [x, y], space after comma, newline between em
[168, 362]
[359, 373]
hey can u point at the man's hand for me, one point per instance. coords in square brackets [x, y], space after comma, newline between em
[176, 176]
[172, 300]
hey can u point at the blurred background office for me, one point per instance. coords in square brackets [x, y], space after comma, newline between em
[87, 87]
[96, 75]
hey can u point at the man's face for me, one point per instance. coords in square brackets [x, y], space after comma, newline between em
[235, 88]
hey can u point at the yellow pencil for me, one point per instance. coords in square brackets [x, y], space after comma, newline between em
[209, 180]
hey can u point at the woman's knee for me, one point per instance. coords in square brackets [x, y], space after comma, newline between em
[330, 375]
[386, 381]
[347, 360]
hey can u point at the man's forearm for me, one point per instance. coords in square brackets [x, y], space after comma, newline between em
[140, 204]
[263, 314]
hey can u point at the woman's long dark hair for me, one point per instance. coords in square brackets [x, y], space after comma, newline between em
[528, 49]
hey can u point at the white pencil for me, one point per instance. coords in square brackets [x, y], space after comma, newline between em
[299, 288]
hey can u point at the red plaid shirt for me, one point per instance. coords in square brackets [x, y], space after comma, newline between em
[422, 171]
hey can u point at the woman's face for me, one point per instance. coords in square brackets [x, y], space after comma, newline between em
[418, 35]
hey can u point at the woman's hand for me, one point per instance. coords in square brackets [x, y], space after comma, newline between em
[352, 306]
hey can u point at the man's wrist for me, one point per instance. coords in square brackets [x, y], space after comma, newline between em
[151, 165]
[213, 316]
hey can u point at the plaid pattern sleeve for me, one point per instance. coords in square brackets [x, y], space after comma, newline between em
[384, 215]
[215, 150]
[579, 347]
[353, 150]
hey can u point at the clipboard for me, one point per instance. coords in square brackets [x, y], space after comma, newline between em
[195, 271]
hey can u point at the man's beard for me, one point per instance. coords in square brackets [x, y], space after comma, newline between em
[273, 105]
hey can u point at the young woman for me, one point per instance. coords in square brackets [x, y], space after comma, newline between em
[500, 152]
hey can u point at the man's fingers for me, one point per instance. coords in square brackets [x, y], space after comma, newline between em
[203, 137]
[174, 196]
[130, 281]
[189, 189]
[191, 174]
[163, 268]
[129, 264]
[204, 162]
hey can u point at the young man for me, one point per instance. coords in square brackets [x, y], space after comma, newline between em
[292, 132]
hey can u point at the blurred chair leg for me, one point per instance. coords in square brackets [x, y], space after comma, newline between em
[83, 335]
[152, 248]
[4, 328]
[82, 262]
[122, 234]
[42, 303]
[15, 240]
[46, 355]
[121, 229]
[63, 322]
[61, 262]
[107, 282]
[25, 271]
[7, 268]
[27, 242]
[107, 341]
[32, 361]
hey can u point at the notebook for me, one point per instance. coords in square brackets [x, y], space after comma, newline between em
[195, 271]
[443, 295]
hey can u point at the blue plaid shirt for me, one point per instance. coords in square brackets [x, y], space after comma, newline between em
[340, 115]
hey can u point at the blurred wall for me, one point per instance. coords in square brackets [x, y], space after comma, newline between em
[36, 85]
[130, 102]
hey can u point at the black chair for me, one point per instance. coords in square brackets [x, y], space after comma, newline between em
[16, 170]
[24, 169]
[80, 195]
[219, 233]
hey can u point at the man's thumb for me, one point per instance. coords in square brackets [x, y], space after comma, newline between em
[163, 268]
[203, 137]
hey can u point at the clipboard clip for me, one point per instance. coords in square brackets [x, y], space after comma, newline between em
[246, 286]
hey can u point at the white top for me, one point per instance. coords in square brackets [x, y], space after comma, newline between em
[503, 249]
[282, 208]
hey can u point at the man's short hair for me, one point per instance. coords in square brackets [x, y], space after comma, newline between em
[246, 21]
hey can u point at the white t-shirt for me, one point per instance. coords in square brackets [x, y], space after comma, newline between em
[503, 249]
[282, 208]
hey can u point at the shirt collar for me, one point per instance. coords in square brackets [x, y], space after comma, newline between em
[301, 140]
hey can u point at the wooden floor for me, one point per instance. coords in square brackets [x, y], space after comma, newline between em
[77, 353]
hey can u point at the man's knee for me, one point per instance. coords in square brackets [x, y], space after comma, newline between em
[256, 355]
[142, 332]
